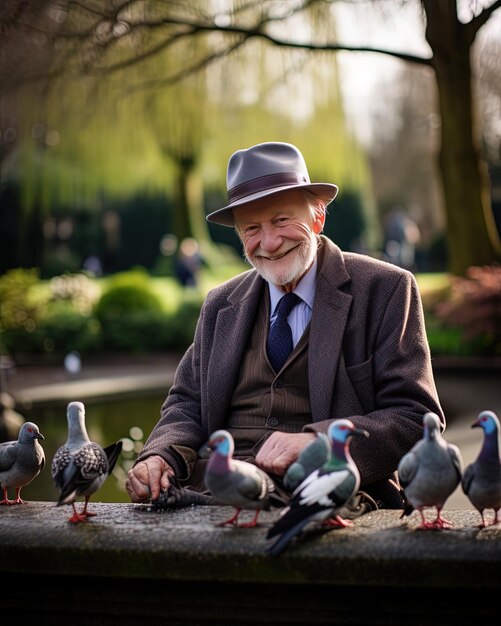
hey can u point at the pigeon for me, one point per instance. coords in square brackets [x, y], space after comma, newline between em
[319, 498]
[311, 457]
[238, 483]
[481, 481]
[429, 473]
[21, 461]
[81, 466]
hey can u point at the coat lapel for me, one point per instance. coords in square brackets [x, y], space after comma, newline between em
[330, 314]
[233, 327]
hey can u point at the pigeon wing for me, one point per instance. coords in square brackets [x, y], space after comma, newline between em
[8, 455]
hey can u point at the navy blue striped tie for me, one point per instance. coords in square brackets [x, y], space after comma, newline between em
[279, 344]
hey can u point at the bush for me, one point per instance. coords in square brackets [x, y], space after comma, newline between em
[180, 327]
[131, 317]
[135, 331]
[472, 308]
[58, 332]
[77, 289]
[125, 299]
[19, 308]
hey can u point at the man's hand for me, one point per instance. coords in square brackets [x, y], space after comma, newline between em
[148, 478]
[280, 450]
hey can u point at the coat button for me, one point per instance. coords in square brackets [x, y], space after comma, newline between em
[279, 384]
[273, 422]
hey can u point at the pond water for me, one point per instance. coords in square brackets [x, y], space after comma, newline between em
[107, 421]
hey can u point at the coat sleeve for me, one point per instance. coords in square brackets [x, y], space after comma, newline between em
[179, 433]
[397, 386]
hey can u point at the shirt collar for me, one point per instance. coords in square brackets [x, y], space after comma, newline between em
[305, 289]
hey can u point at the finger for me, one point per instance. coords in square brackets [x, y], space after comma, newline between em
[164, 481]
[155, 477]
[141, 490]
[280, 464]
[132, 494]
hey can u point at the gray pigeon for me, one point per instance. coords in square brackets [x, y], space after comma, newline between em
[81, 466]
[238, 483]
[429, 473]
[323, 494]
[21, 461]
[311, 457]
[481, 480]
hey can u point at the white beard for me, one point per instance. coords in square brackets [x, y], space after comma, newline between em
[290, 268]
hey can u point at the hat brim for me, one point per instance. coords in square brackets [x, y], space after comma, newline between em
[326, 191]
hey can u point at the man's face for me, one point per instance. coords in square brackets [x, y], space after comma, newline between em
[278, 236]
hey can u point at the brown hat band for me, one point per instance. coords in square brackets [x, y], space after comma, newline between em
[265, 182]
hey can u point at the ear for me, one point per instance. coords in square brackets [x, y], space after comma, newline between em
[318, 222]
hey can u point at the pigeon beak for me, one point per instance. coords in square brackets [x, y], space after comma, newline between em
[476, 424]
[360, 431]
[39, 436]
[204, 451]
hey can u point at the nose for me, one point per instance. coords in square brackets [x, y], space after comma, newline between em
[271, 239]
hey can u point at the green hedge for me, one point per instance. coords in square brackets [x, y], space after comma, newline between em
[133, 312]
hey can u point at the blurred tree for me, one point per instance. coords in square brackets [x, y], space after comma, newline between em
[125, 107]
[472, 236]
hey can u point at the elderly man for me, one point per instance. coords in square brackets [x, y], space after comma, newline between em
[357, 343]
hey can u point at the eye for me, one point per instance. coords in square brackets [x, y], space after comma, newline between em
[250, 230]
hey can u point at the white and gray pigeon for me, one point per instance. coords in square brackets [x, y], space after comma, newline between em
[429, 473]
[81, 466]
[481, 481]
[323, 494]
[21, 461]
[311, 457]
[238, 483]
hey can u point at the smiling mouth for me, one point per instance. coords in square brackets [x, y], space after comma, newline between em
[280, 256]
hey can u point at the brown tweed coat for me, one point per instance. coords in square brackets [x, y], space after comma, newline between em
[368, 360]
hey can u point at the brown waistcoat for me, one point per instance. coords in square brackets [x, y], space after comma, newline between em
[264, 400]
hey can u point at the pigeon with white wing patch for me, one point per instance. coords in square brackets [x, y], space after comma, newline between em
[320, 497]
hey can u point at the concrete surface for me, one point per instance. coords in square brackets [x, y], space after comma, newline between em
[129, 564]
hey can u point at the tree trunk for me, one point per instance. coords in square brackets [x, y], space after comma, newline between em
[189, 215]
[472, 236]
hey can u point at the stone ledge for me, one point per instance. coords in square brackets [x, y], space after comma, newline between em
[129, 564]
[381, 548]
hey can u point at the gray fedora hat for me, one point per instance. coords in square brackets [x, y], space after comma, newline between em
[263, 170]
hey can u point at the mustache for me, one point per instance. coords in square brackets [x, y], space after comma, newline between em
[261, 255]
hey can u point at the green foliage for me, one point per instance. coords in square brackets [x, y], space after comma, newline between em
[134, 331]
[131, 314]
[19, 308]
[181, 327]
[473, 308]
[351, 225]
[58, 332]
[126, 299]
[137, 313]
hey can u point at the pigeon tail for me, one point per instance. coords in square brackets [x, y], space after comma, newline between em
[284, 540]
[112, 453]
